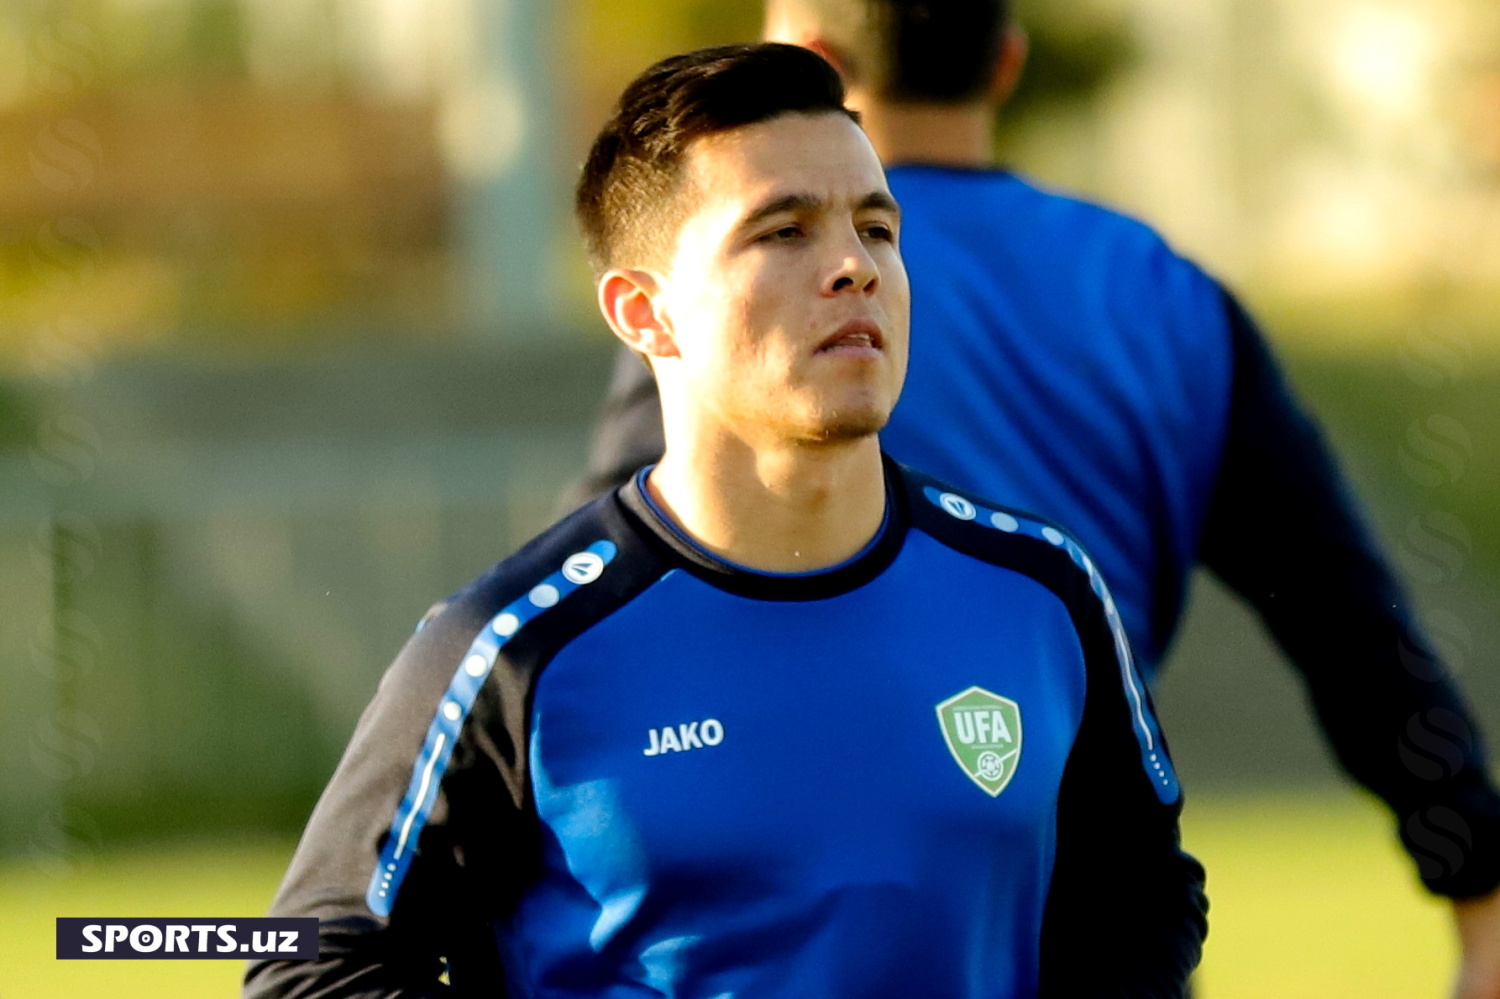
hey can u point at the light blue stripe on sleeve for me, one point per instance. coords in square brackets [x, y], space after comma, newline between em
[577, 570]
[1148, 734]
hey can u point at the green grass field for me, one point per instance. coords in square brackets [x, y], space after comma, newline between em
[1310, 899]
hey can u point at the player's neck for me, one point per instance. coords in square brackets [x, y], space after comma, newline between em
[796, 508]
[947, 135]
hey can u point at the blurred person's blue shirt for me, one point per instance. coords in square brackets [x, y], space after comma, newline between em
[1128, 459]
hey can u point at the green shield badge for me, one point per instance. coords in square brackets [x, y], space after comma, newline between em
[983, 732]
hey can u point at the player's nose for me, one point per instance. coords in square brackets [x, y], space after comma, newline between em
[853, 268]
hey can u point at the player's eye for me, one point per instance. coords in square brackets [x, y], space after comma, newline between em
[783, 234]
[880, 231]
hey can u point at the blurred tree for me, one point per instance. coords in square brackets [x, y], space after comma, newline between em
[1076, 50]
[219, 173]
[17, 421]
[213, 43]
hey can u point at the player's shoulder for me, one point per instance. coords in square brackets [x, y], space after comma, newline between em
[982, 194]
[1003, 536]
[1082, 214]
[590, 562]
[1135, 264]
[1061, 233]
[1048, 553]
[1075, 222]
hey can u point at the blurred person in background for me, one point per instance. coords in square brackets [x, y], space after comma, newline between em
[1065, 360]
[684, 743]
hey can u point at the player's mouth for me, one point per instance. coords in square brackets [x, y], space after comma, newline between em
[858, 337]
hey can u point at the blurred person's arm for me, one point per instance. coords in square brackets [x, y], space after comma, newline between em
[393, 934]
[1478, 923]
[1283, 530]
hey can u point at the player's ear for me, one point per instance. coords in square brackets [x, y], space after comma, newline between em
[631, 300]
[1014, 47]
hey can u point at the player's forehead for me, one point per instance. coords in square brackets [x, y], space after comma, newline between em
[823, 158]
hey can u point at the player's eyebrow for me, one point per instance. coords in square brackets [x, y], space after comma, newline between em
[881, 201]
[793, 203]
[790, 203]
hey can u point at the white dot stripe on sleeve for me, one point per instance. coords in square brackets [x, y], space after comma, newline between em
[411, 815]
[434, 756]
[1146, 730]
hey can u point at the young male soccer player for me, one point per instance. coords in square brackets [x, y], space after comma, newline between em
[1065, 360]
[779, 718]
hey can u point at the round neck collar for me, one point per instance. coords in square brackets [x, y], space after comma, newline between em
[813, 584]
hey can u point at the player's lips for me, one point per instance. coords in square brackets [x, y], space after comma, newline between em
[855, 336]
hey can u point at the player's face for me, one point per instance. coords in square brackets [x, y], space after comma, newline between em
[786, 293]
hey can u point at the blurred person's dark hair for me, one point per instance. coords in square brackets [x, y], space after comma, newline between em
[918, 51]
[627, 200]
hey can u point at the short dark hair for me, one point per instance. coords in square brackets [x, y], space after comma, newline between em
[626, 197]
[929, 51]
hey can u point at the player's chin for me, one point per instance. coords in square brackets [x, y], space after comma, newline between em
[850, 424]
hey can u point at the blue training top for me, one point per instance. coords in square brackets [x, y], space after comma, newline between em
[1082, 369]
[1066, 361]
[618, 766]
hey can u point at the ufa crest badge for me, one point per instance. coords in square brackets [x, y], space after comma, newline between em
[983, 732]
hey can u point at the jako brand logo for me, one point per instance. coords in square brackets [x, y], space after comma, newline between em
[692, 735]
[583, 568]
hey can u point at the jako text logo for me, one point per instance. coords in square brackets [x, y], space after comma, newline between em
[691, 735]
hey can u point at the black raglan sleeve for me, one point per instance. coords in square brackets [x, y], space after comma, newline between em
[1126, 912]
[1284, 532]
[470, 847]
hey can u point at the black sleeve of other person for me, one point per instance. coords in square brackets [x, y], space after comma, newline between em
[627, 436]
[1283, 531]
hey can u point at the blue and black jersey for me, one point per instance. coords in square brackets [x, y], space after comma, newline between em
[1065, 360]
[617, 765]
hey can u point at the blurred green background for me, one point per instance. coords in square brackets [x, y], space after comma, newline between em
[295, 337]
